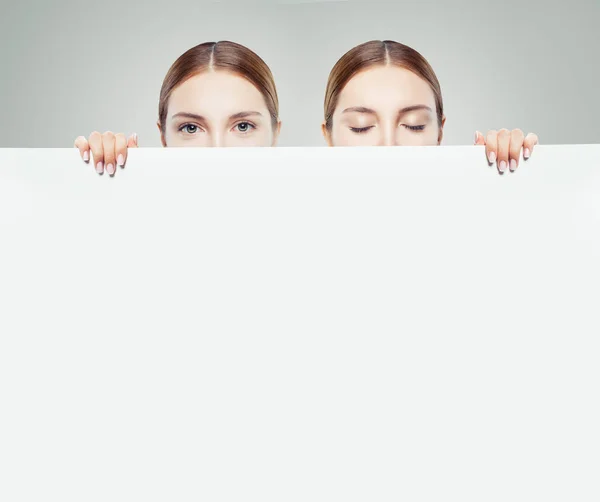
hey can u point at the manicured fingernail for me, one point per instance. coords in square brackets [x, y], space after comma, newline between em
[513, 164]
[120, 160]
[492, 157]
[502, 166]
[135, 137]
[476, 137]
[526, 153]
[86, 156]
[110, 169]
[99, 167]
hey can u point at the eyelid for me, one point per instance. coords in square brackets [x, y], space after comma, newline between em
[244, 121]
[360, 129]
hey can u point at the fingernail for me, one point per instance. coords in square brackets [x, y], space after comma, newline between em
[120, 160]
[492, 157]
[513, 164]
[110, 169]
[476, 137]
[135, 137]
[86, 156]
[526, 153]
[99, 167]
[502, 166]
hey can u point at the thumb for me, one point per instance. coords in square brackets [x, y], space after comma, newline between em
[479, 138]
[132, 141]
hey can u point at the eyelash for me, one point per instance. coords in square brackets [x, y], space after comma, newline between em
[360, 130]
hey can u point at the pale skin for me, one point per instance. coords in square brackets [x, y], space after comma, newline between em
[392, 106]
[213, 109]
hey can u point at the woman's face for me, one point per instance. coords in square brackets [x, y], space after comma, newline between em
[218, 108]
[385, 106]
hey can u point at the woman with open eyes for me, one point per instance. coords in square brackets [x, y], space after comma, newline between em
[216, 94]
[384, 93]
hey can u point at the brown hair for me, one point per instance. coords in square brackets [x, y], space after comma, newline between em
[377, 53]
[222, 55]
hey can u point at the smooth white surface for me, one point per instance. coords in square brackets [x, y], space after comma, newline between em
[300, 324]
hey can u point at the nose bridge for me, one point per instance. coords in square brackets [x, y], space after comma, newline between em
[388, 133]
[216, 138]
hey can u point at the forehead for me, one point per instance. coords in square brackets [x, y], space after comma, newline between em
[219, 92]
[386, 87]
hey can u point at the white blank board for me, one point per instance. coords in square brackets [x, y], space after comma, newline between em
[295, 324]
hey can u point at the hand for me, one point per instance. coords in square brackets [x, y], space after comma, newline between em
[108, 150]
[504, 147]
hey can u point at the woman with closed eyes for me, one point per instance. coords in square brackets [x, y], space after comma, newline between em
[217, 94]
[383, 93]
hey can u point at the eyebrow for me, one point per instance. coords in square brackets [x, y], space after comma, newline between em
[243, 115]
[362, 109]
[235, 116]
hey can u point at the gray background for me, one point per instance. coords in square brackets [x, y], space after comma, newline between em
[69, 67]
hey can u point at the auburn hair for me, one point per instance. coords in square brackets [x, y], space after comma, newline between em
[378, 53]
[222, 55]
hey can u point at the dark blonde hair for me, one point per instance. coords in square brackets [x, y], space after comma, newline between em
[378, 53]
[222, 55]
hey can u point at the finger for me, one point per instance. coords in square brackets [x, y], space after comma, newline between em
[530, 141]
[479, 139]
[132, 142]
[84, 148]
[95, 141]
[503, 149]
[121, 149]
[516, 143]
[108, 143]
[491, 146]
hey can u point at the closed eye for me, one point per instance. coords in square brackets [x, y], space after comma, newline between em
[414, 128]
[359, 130]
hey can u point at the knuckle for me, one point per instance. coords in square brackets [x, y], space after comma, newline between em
[491, 135]
[518, 135]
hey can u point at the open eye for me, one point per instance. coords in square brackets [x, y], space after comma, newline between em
[414, 128]
[189, 128]
[244, 127]
[360, 130]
